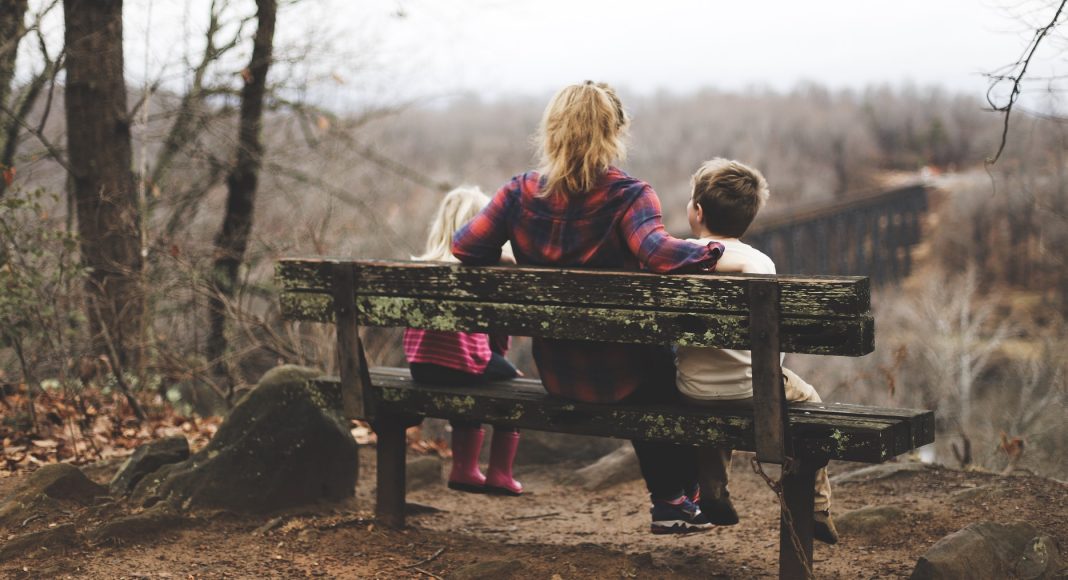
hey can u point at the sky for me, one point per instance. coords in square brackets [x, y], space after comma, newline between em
[498, 47]
[411, 49]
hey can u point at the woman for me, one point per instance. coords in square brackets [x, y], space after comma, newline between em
[579, 210]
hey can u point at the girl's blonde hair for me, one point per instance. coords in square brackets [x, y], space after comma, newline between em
[458, 207]
[582, 132]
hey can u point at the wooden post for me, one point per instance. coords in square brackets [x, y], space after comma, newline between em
[352, 363]
[392, 446]
[769, 400]
[798, 488]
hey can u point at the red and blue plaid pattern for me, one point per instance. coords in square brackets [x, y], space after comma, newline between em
[616, 226]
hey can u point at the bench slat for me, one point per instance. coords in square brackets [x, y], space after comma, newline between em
[818, 296]
[854, 337]
[834, 433]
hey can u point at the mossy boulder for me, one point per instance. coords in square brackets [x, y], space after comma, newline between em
[51, 489]
[284, 445]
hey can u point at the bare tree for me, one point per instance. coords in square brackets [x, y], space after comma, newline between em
[233, 237]
[98, 136]
[964, 333]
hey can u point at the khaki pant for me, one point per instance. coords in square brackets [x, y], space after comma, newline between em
[714, 463]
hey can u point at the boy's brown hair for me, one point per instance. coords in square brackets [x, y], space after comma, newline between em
[730, 195]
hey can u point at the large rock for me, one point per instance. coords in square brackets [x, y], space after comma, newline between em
[990, 551]
[284, 445]
[147, 459]
[619, 466]
[52, 488]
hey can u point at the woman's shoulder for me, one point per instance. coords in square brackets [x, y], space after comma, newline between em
[620, 181]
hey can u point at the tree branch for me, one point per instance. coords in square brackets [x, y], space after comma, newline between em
[1017, 79]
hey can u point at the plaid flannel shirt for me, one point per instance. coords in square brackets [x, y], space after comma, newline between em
[616, 226]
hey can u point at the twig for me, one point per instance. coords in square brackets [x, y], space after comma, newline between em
[533, 517]
[116, 367]
[347, 523]
[40, 137]
[428, 560]
[1017, 79]
[270, 525]
[26, 521]
[431, 574]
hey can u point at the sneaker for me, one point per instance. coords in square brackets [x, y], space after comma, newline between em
[823, 528]
[719, 511]
[683, 518]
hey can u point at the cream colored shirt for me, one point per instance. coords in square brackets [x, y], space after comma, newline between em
[714, 374]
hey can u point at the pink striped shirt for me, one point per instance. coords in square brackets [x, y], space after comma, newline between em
[468, 352]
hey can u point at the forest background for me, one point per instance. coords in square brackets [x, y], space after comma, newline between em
[977, 332]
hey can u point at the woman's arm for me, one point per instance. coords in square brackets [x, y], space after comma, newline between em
[656, 250]
[479, 242]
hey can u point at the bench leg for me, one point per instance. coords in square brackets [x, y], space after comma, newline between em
[392, 446]
[798, 488]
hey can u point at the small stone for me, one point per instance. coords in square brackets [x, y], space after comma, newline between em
[977, 494]
[869, 521]
[619, 466]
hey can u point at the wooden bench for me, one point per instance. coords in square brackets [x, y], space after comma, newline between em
[766, 314]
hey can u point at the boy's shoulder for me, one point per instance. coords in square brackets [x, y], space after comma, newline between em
[739, 256]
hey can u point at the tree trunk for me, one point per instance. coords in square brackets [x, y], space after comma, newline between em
[98, 137]
[12, 27]
[232, 239]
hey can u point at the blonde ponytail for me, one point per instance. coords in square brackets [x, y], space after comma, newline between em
[582, 132]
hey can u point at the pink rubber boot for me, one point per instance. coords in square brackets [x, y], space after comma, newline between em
[502, 454]
[466, 445]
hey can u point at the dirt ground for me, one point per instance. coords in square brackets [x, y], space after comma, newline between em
[552, 531]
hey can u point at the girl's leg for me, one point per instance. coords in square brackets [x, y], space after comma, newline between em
[466, 445]
[499, 369]
[439, 375]
[502, 454]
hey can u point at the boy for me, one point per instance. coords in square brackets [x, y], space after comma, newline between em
[726, 197]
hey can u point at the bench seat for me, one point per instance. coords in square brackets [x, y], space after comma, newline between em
[826, 430]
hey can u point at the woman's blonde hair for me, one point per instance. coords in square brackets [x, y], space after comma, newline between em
[582, 132]
[458, 207]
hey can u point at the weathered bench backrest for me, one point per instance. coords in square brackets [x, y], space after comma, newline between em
[765, 314]
[818, 315]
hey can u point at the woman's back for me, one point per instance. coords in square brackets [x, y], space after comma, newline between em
[617, 225]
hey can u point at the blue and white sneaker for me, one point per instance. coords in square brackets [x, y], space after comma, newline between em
[682, 518]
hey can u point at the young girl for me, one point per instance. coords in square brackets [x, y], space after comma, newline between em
[464, 358]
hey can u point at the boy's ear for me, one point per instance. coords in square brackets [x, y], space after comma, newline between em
[699, 211]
